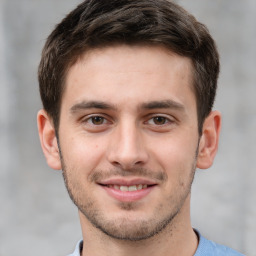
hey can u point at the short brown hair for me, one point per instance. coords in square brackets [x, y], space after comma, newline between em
[99, 23]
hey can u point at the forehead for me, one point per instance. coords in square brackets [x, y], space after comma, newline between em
[124, 72]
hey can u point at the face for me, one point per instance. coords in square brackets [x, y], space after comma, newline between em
[128, 138]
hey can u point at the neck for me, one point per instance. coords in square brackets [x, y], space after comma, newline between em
[177, 239]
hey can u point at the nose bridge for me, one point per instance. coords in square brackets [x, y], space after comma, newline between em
[127, 147]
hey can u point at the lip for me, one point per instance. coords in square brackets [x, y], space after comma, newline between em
[127, 182]
[128, 196]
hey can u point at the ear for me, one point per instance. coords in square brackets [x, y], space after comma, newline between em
[209, 140]
[48, 140]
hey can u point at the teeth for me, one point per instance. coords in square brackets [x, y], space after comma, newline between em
[124, 188]
[132, 188]
[139, 187]
[128, 188]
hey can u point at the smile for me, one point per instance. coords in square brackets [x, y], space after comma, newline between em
[128, 188]
[128, 191]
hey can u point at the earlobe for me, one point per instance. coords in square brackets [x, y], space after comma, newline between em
[209, 140]
[48, 140]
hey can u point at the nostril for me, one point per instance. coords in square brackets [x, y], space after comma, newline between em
[116, 163]
[127, 165]
[139, 163]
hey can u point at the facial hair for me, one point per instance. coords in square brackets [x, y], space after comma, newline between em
[127, 228]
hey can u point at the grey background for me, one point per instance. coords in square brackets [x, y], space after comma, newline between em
[36, 215]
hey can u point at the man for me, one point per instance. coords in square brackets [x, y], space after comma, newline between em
[127, 89]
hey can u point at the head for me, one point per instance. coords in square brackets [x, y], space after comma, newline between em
[127, 88]
[98, 24]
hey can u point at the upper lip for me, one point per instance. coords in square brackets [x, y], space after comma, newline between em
[127, 182]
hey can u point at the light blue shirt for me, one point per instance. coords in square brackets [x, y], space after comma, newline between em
[209, 248]
[205, 248]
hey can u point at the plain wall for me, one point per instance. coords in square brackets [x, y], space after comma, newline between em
[36, 214]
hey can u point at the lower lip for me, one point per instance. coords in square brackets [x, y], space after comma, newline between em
[128, 196]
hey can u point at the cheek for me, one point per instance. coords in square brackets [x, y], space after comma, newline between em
[80, 153]
[176, 153]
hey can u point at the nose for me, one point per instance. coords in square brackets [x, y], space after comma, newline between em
[127, 148]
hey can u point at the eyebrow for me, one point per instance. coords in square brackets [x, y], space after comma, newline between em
[163, 104]
[91, 104]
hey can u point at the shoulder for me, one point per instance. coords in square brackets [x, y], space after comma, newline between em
[205, 248]
[210, 248]
[78, 249]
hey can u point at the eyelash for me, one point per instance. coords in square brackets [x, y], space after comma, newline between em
[164, 124]
[90, 119]
[165, 120]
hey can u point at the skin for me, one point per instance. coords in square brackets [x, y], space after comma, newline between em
[128, 117]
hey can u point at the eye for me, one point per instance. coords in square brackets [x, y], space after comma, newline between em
[96, 123]
[97, 120]
[160, 123]
[158, 120]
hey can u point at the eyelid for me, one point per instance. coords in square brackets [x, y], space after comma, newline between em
[107, 119]
[168, 118]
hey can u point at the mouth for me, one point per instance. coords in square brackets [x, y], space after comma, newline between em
[129, 188]
[128, 191]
